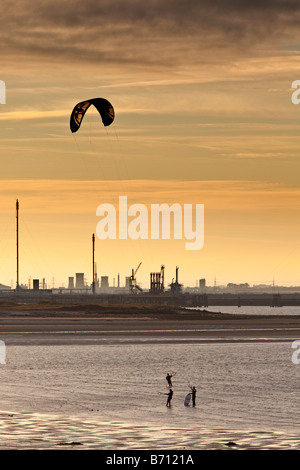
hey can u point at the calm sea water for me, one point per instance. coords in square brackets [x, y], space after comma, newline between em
[254, 310]
[111, 394]
[62, 393]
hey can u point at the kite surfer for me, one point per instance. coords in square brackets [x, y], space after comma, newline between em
[193, 390]
[168, 379]
[170, 395]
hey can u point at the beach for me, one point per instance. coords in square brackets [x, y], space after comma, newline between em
[93, 377]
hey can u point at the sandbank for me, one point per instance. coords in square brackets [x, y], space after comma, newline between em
[70, 323]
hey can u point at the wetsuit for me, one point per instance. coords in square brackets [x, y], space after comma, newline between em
[194, 396]
[170, 395]
[169, 380]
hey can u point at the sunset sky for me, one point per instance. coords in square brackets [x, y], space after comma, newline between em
[202, 96]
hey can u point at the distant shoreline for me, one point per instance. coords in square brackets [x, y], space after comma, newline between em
[115, 324]
[81, 309]
[184, 299]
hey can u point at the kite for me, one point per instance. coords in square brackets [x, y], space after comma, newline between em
[103, 106]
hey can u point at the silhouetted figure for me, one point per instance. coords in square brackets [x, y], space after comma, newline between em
[168, 378]
[170, 395]
[194, 391]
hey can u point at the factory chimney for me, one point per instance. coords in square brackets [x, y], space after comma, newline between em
[93, 285]
[17, 217]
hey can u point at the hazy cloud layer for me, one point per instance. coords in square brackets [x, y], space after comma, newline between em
[203, 115]
[135, 32]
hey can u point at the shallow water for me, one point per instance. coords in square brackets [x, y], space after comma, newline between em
[253, 310]
[112, 396]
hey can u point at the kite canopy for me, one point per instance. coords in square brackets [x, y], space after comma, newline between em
[103, 106]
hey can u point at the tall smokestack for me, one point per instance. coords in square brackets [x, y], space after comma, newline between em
[17, 217]
[93, 285]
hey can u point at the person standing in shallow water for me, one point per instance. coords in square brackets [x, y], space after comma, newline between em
[168, 378]
[193, 389]
[170, 395]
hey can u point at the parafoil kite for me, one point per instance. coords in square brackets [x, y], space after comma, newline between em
[103, 106]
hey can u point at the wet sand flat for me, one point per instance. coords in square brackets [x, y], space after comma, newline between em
[65, 421]
[23, 431]
[72, 323]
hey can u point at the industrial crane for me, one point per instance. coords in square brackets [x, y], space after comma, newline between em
[133, 285]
